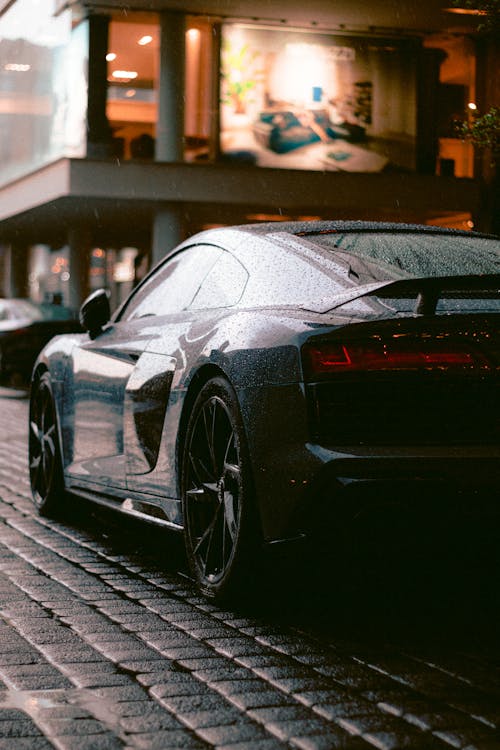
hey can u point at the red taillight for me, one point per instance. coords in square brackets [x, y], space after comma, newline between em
[392, 354]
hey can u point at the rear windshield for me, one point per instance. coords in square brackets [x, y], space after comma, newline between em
[379, 256]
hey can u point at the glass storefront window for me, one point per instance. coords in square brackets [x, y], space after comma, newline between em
[43, 87]
[317, 101]
[133, 73]
[457, 103]
[132, 87]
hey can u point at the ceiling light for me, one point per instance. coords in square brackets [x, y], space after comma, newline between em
[146, 39]
[111, 56]
[466, 11]
[17, 67]
[124, 75]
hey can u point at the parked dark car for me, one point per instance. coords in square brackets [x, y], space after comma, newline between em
[25, 328]
[267, 381]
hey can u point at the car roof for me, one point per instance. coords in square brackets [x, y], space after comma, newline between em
[312, 227]
[232, 237]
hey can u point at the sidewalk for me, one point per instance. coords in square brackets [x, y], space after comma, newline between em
[102, 649]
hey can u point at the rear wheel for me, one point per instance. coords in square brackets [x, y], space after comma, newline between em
[219, 524]
[45, 464]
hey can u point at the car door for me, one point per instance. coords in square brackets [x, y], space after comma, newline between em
[185, 338]
[120, 390]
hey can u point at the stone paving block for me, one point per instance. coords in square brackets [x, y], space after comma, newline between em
[149, 723]
[262, 659]
[108, 635]
[20, 658]
[170, 606]
[40, 682]
[181, 704]
[118, 607]
[188, 652]
[69, 712]
[211, 718]
[177, 685]
[331, 741]
[154, 663]
[64, 654]
[149, 679]
[105, 741]
[287, 728]
[169, 739]
[136, 708]
[144, 621]
[346, 708]
[88, 667]
[284, 671]
[96, 680]
[167, 637]
[12, 714]
[279, 713]
[118, 652]
[222, 673]
[225, 734]
[236, 687]
[130, 692]
[375, 722]
[15, 645]
[213, 662]
[22, 727]
[72, 726]
[322, 696]
[25, 743]
[261, 698]
[267, 743]
[204, 633]
[237, 646]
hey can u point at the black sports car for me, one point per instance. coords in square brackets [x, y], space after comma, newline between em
[25, 328]
[267, 380]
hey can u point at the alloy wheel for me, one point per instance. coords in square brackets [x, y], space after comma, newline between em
[43, 450]
[213, 490]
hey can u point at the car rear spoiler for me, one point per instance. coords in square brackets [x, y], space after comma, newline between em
[427, 291]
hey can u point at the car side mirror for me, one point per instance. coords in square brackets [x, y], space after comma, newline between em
[95, 312]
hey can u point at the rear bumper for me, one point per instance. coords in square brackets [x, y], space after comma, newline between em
[376, 487]
[344, 488]
[392, 463]
[298, 482]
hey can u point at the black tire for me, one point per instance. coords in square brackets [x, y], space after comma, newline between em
[45, 465]
[220, 531]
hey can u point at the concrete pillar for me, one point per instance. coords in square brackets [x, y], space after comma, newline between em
[487, 164]
[98, 128]
[17, 271]
[170, 128]
[167, 231]
[214, 142]
[430, 60]
[80, 244]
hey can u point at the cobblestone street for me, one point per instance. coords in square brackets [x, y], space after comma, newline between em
[105, 644]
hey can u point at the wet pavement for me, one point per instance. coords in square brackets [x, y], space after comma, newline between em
[105, 644]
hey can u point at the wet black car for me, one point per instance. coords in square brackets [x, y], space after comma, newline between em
[267, 381]
[25, 328]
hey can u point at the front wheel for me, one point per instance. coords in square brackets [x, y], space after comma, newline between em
[45, 466]
[219, 520]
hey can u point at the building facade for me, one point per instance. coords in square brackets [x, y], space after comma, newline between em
[126, 127]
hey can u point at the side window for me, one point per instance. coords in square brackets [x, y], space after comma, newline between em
[173, 286]
[223, 285]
